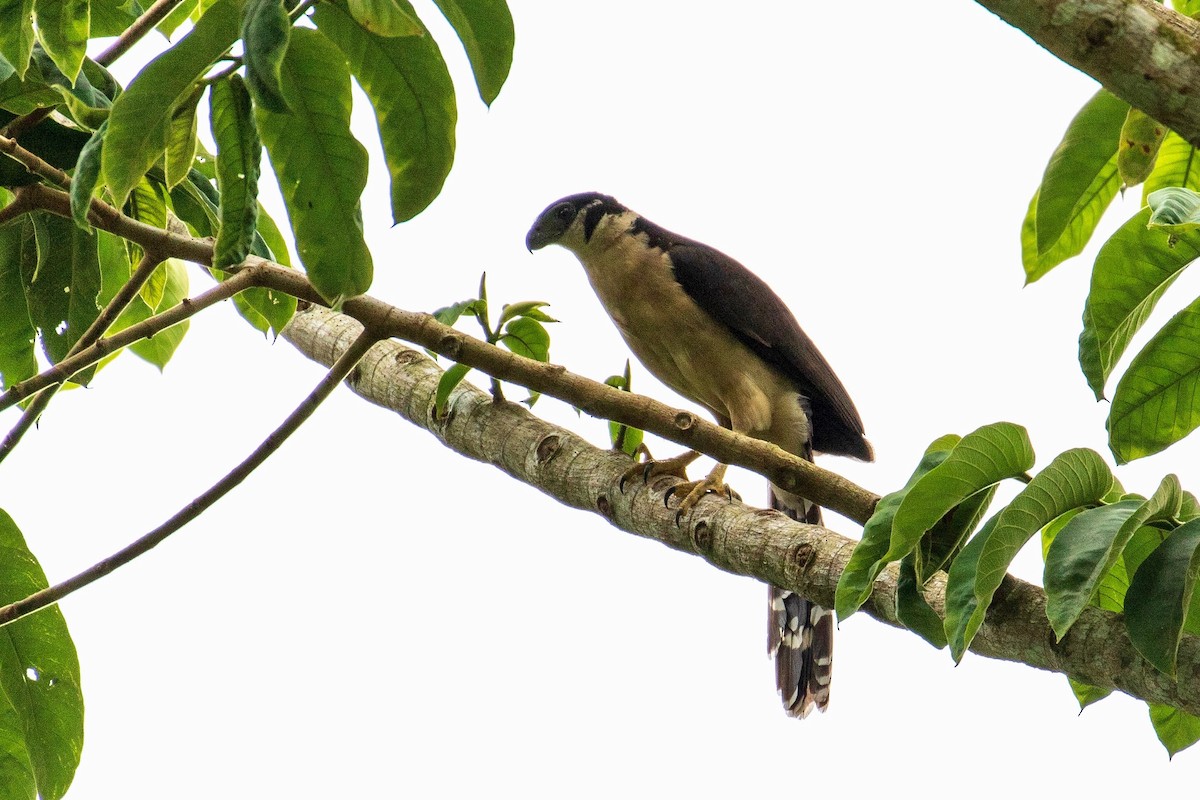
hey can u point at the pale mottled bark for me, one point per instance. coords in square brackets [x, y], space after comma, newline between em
[733, 537]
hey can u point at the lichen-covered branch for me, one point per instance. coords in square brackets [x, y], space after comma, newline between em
[1142, 51]
[734, 537]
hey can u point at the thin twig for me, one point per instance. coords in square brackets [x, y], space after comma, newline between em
[140, 27]
[100, 324]
[340, 370]
[64, 369]
[31, 162]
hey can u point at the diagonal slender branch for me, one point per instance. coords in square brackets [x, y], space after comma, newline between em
[341, 368]
[64, 369]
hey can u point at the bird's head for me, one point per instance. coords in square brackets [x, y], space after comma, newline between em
[571, 221]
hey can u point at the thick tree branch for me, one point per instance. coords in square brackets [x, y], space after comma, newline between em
[1142, 51]
[733, 537]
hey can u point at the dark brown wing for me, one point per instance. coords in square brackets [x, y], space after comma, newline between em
[741, 300]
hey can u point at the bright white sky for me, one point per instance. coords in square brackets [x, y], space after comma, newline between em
[371, 615]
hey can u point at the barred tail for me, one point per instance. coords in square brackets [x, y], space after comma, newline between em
[800, 636]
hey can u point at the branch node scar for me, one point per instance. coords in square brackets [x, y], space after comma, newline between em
[547, 448]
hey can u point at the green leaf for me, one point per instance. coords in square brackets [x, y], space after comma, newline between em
[623, 437]
[1133, 270]
[62, 290]
[410, 88]
[526, 337]
[139, 125]
[17, 334]
[1085, 694]
[1141, 138]
[63, 27]
[912, 609]
[112, 17]
[16, 34]
[450, 379]
[159, 349]
[1154, 404]
[273, 238]
[179, 15]
[867, 559]
[1089, 548]
[983, 458]
[944, 539]
[1174, 210]
[1081, 169]
[87, 174]
[486, 30]
[961, 603]
[386, 17]
[1177, 165]
[239, 154]
[1177, 730]
[266, 30]
[322, 168]
[527, 308]
[1160, 594]
[1073, 479]
[181, 139]
[42, 718]
[450, 314]
[1083, 553]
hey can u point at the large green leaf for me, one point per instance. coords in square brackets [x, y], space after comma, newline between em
[266, 30]
[867, 559]
[16, 34]
[181, 138]
[1177, 730]
[17, 334]
[1133, 270]
[913, 611]
[983, 458]
[1154, 404]
[1073, 479]
[961, 603]
[1178, 164]
[239, 153]
[139, 126]
[386, 17]
[486, 30]
[1089, 548]
[87, 174]
[63, 287]
[410, 88]
[63, 27]
[322, 168]
[41, 705]
[1083, 553]
[1079, 182]
[1160, 594]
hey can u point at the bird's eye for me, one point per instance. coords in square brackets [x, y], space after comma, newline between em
[565, 213]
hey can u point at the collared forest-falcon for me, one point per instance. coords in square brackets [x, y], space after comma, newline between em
[714, 332]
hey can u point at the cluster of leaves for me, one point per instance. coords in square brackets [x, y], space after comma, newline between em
[1101, 546]
[521, 328]
[277, 75]
[1109, 147]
